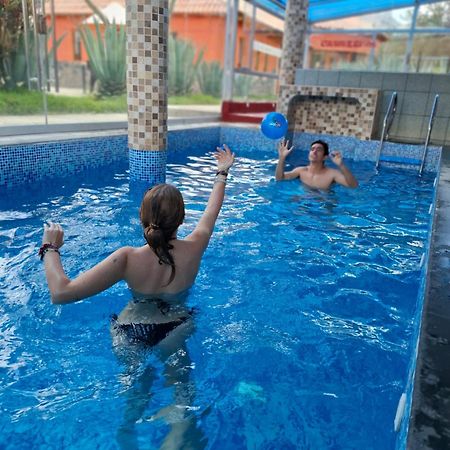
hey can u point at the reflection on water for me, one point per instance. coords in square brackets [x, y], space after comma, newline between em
[306, 310]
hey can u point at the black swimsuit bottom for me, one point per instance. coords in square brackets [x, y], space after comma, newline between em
[148, 333]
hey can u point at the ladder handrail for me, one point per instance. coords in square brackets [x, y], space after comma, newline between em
[387, 122]
[430, 127]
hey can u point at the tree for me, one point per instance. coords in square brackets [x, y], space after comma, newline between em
[11, 25]
[435, 15]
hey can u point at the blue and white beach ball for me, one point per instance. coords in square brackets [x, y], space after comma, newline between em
[274, 125]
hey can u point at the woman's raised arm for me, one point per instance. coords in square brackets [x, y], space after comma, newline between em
[205, 226]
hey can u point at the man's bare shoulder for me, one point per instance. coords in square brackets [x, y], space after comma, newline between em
[330, 171]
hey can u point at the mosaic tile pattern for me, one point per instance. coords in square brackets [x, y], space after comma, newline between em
[344, 144]
[243, 140]
[415, 94]
[330, 110]
[28, 163]
[204, 139]
[293, 40]
[149, 167]
[407, 156]
[147, 68]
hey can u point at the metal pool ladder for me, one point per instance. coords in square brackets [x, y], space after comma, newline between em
[430, 127]
[387, 122]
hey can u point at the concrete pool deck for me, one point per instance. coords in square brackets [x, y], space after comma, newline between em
[174, 111]
[430, 413]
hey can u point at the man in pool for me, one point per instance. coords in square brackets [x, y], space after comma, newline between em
[315, 174]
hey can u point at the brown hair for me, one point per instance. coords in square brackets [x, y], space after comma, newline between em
[162, 212]
[324, 146]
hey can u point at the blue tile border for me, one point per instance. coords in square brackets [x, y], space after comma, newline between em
[201, 139]
[28, 163]
[148, 166]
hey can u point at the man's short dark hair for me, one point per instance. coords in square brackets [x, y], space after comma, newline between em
[323, 144]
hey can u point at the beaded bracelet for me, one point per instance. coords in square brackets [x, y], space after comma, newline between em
[46, 248]
[221, 178]
[222, 172]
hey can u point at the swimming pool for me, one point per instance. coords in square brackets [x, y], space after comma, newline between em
[305, 325]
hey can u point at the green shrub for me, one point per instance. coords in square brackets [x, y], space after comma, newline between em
[183, 66]
[210, 79]
[242, 85]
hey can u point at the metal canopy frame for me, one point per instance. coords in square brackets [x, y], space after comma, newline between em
[318, 11]
[322, 10]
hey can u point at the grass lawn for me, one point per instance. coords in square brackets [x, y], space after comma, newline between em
[24, 102]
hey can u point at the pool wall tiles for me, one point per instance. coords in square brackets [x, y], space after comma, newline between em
[406, 155]
[246, 139]
[203, 139]
[33, 162]
[420, 300]
[150, 166]
[27, 163]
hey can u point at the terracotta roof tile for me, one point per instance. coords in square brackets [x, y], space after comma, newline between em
[76, 7]
[216, 7]
[80, 7]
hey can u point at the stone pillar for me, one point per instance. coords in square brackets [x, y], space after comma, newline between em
[295, 27]
[147, 84]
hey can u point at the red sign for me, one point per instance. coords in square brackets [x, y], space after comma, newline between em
[342, 42]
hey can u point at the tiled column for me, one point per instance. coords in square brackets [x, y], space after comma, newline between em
[147, 44]
[295, 25]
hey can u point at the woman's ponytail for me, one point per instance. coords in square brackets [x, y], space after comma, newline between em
[162, 212]
[160, 244]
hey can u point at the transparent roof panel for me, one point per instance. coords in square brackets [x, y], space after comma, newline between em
[321, 10]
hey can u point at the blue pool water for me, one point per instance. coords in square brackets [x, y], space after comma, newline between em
[304, 327]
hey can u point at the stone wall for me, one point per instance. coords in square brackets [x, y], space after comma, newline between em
[330, 110]
[415, 95]
[73, 75]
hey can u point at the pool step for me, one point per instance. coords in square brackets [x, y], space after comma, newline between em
[400, 160]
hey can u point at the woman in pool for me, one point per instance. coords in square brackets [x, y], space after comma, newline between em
[159, 274]
[163, 269]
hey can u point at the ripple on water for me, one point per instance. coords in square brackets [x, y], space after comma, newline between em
[306, 302]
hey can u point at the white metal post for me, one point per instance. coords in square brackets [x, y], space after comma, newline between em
[409, 43]
[26, 40]
[306, 50]
[230, 46]
[372, 52]
[251, 38]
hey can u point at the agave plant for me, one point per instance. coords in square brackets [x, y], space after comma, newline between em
[209, 78]
[107, 56]
[183, 66]
[242, 85]
[14, 65]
